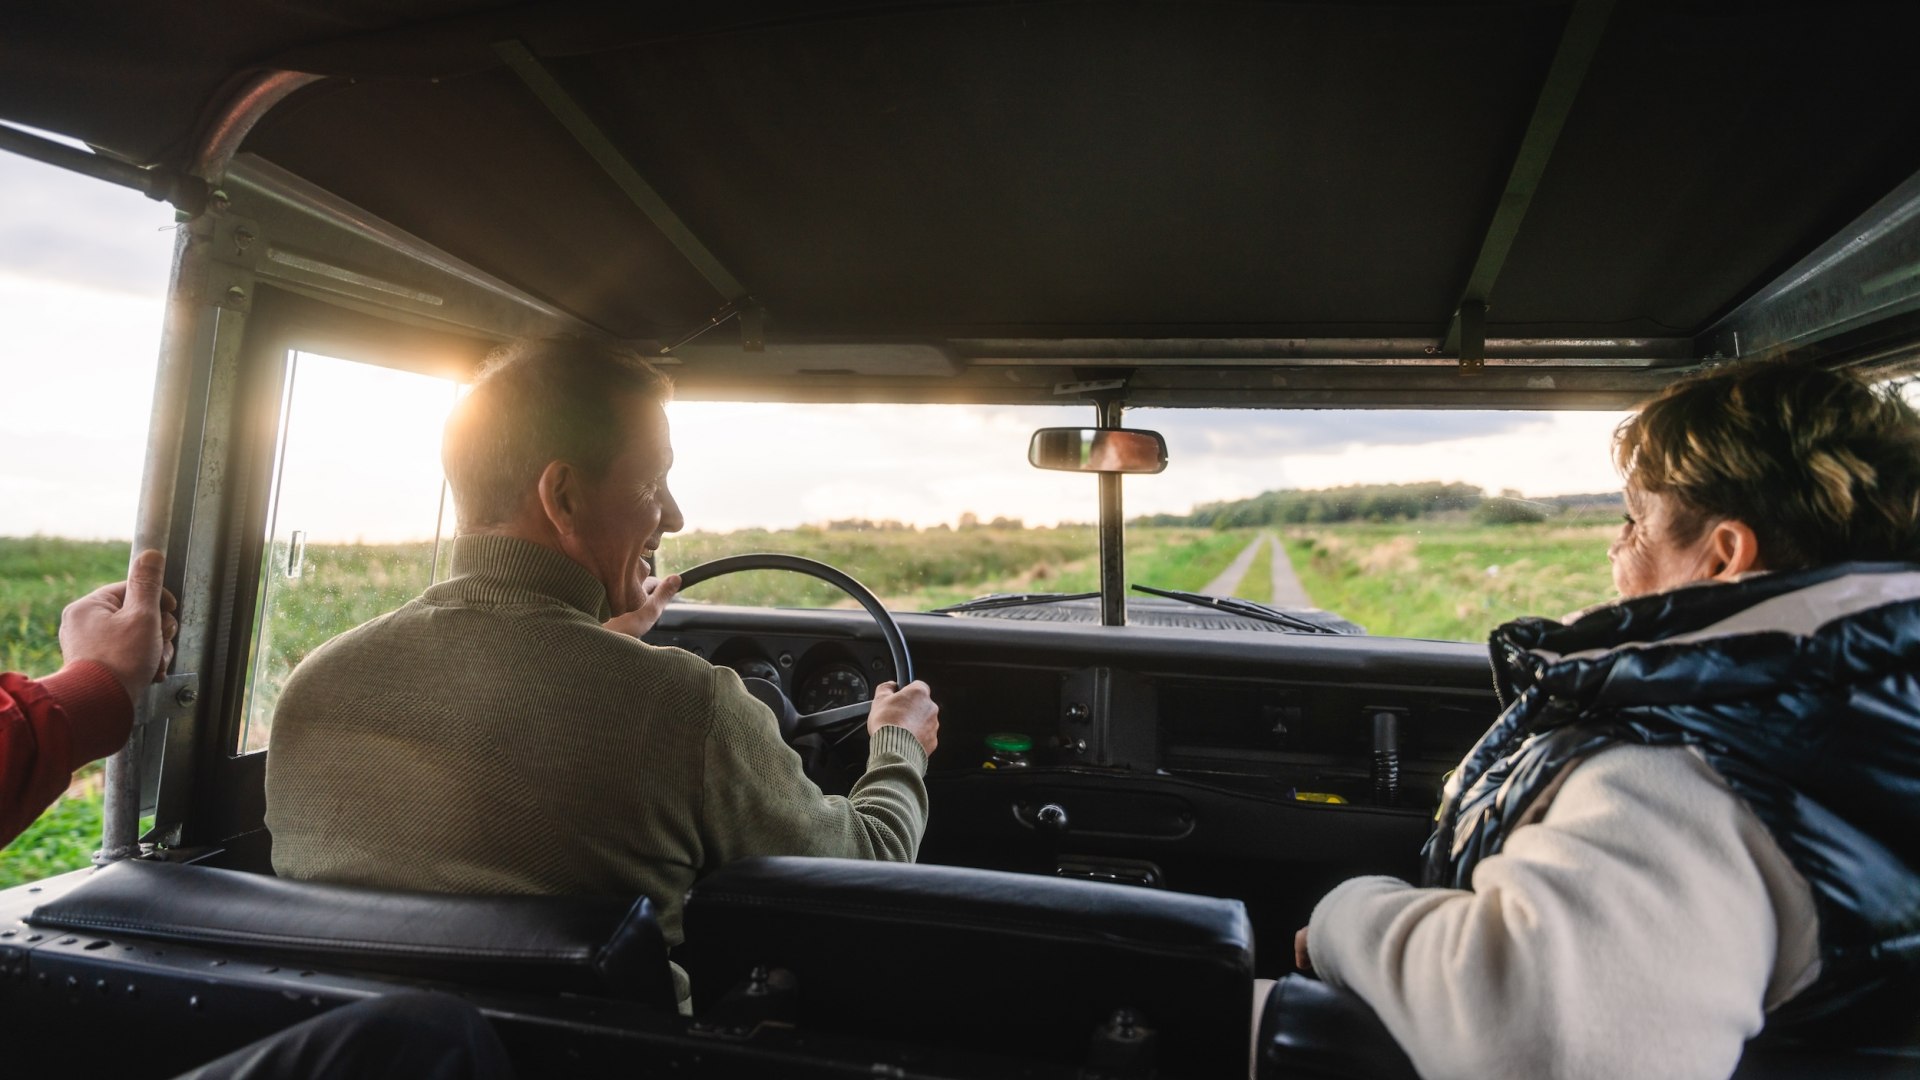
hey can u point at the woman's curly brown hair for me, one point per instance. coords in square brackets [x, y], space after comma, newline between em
[1822, 466]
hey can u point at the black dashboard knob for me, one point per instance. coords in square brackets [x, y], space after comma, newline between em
[1051, 817]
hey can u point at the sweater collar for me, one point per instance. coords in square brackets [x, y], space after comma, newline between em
[493, 567]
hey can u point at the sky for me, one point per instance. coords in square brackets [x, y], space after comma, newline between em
[83, 274]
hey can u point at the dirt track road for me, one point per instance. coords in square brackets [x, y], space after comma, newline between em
[1286, 584]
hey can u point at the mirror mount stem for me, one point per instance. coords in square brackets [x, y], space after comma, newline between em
[1109, 406]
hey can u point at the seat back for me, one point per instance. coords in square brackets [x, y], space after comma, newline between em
[603, 947]
[982, 960]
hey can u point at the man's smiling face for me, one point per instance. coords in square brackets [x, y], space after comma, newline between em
[627, 510]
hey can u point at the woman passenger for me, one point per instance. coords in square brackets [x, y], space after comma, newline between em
[1699, 812]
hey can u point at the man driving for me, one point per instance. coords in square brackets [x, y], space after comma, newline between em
[506, 732]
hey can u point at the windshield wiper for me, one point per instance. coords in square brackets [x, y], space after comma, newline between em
[1004, 600]
[1233, 605]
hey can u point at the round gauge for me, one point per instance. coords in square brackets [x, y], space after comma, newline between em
[754, 667]
[832, 687]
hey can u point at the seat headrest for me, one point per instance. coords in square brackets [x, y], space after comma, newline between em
[1026, 965]
[605, 947]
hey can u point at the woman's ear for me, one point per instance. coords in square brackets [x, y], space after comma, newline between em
[560, 496]
[1732, 550]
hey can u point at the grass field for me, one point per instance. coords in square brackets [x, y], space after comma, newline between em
[922, 570]
[38, 577]
[1453, 581]
[1427, 578]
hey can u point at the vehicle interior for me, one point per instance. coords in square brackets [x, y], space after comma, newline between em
[1107, 206]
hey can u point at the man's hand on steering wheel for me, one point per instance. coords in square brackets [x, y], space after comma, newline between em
[659, 592]
[831, 756]
[911, 707]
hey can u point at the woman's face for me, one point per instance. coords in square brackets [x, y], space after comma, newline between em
[1646, 556]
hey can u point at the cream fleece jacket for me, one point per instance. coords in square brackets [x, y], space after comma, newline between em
[1641, 926]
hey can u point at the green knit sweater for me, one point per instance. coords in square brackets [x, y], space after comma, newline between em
[492, 737]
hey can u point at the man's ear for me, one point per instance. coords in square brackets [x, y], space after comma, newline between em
[559, 489]
[1733, 550]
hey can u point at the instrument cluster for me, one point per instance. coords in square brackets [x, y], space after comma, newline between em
[822, 676]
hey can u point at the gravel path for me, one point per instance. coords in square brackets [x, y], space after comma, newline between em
[1229, 578]
[1287, 592]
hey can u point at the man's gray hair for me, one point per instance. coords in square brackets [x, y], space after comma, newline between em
[538, 401]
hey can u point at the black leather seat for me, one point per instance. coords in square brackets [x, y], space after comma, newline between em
[605, 948]
[1113, 976]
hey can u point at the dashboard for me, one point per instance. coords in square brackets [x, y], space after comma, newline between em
[1262, 766]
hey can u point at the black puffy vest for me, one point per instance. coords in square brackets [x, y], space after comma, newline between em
[1818, 731]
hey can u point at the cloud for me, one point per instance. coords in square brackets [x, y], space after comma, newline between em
[1251, 433]
[59, 226]
[780, 465]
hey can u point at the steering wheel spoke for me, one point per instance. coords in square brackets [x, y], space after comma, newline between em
[833, 721]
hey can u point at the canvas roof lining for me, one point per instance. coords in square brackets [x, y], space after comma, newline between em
[1315, 169]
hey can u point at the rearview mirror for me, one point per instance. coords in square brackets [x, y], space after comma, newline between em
[1098, 450]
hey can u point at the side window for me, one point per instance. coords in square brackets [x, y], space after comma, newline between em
[356, 513]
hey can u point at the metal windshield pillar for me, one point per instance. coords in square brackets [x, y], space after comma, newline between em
[182, 335]
[198, 291]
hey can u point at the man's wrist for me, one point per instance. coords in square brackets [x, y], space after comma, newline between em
[99, 712]
[895, 741]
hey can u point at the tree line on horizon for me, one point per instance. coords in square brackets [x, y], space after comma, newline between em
[1301, 506]
[1369, 502]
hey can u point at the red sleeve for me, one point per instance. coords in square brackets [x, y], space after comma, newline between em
[50, 728]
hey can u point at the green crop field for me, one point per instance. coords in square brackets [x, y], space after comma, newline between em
[1425, 578]
[39, 577]
[1453, 581]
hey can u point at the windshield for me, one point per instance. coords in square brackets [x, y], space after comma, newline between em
[927, 505]
[1408, 523]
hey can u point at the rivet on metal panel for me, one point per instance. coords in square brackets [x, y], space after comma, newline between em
[1473, 337]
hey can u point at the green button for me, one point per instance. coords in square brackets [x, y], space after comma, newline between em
[1009, 742]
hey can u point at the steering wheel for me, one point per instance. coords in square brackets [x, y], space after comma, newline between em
[834, 724]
